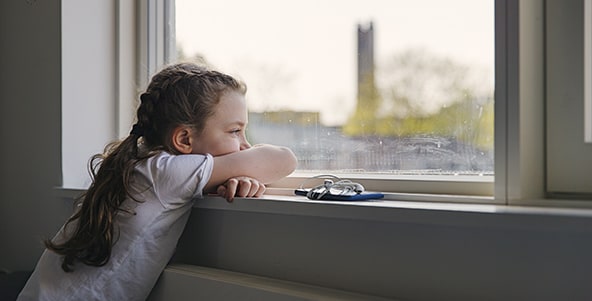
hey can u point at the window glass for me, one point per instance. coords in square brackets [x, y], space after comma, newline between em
[373, 86]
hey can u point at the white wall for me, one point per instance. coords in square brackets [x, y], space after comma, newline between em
[88, 85]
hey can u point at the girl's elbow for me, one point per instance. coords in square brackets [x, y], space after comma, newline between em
[287, 160]
[280, 159]
[292, 161]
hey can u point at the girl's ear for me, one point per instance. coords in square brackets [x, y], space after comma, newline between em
[182, 139]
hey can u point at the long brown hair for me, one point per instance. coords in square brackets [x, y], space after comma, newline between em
[181, 94]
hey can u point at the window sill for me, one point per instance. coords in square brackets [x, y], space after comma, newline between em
[451, 214]
[410, 208]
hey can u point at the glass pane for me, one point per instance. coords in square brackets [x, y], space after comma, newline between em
[396, 87]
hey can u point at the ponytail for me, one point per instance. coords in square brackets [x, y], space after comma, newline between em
[93, 233]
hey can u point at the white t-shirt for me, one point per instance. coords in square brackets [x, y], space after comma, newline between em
[146, 241]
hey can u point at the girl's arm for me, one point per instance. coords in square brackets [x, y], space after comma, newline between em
[265, 163]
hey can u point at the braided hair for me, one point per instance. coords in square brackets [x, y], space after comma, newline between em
[180, 94]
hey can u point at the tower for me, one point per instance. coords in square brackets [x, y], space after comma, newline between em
[365, 56]
[363, 122]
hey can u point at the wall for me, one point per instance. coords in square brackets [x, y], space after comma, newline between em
[570, 168]
[30, 109]
[405, 251]
[56, 56]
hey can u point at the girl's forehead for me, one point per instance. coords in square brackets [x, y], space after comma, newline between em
[231, 104]
[232, 99]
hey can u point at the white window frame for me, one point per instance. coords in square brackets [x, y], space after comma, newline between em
[519, 101]
[145, 42]
[156, 35]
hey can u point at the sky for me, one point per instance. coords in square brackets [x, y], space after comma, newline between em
[301, 55]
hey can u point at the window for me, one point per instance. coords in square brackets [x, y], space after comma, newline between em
[539, 63]
[389, 90]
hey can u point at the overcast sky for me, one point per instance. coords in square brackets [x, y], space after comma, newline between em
[301, 55]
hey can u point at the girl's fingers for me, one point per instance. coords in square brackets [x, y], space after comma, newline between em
[256, 188]
[244, 189]
[221, 191]
[260, 191]
[241, 187]
[230, 189]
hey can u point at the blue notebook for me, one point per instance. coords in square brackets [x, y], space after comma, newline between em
[333, 197]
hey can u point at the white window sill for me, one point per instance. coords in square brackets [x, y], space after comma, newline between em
[399, 211]
[410, 208]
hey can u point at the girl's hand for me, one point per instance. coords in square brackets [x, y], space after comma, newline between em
[241, 187]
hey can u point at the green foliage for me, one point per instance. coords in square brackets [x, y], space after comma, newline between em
[424, 95]
[464, 121]
[364, 122]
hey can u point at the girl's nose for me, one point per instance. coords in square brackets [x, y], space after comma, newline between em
[245, 144]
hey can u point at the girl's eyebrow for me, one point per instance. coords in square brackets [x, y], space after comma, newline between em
[238, 122]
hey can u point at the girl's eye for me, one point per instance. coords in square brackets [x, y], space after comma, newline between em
[236, 131]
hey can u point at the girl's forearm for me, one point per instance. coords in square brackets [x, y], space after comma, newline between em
[264, 162]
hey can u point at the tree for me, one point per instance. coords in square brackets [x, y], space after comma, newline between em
[419, 93]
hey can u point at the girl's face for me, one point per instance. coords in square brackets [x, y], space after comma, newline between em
[224, 132]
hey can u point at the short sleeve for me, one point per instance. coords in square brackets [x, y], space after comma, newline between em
[177, 179]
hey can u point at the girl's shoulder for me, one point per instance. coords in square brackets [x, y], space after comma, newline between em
[177, 175]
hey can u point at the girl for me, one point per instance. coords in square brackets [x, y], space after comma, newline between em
[189, 139]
